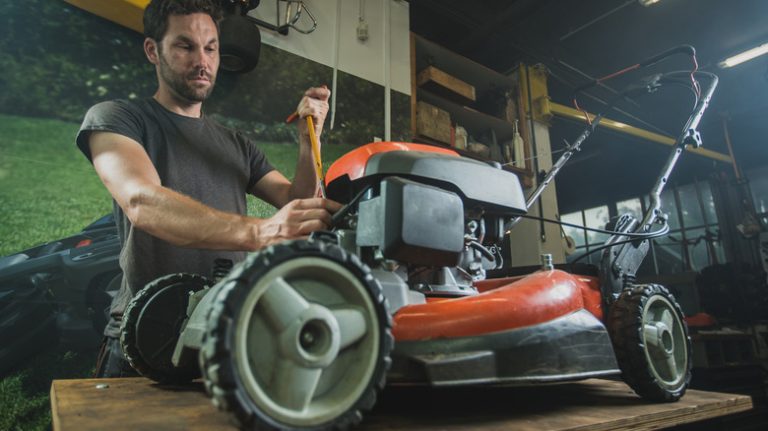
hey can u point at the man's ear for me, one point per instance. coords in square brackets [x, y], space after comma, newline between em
[151, 50]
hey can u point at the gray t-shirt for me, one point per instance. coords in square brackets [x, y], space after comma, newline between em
[194, 156]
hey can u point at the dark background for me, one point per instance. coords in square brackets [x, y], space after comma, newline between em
[580, 40]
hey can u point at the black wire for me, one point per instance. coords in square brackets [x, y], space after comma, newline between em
[635, 235]
[655, 234]
[338, 217]
[632, 236]
[689, 87]
[484, 251]
[665, 78]
[685, 83]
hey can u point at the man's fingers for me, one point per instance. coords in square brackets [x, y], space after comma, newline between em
[310, 226]
[311, 203]
[313, 214]
[298, 229]
[313, 107]
[322, 93]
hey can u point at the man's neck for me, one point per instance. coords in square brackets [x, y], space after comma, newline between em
[173, 104]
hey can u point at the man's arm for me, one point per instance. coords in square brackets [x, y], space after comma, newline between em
[274, 187]
[127, 172]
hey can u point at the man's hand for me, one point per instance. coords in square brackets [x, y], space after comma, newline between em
[297, 220]
[314, 103]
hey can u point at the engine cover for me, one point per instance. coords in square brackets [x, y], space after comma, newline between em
[413, 223]
[481, 186]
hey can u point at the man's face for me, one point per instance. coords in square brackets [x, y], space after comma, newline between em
[189, 56]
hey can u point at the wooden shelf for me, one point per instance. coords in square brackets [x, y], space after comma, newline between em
[443, 79]
[446, 85]
[474, 121]
[482, 78]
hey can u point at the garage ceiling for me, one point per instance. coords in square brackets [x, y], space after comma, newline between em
[577, 40]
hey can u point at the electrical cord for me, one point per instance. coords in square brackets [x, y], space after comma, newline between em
[686, 49]
[684, 84]
[484, 251]
[655, 234]
[339, 216]
[634, 235]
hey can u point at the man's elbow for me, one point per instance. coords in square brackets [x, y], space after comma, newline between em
[138, 209]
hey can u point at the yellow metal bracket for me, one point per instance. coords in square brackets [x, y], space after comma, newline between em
[128, 13]
[574, 114]
[543, 109]
[534, 78]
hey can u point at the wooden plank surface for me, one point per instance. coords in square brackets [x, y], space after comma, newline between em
[139, 404]
[445, 85]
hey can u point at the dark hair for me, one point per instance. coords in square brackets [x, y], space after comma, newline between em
[157, 12]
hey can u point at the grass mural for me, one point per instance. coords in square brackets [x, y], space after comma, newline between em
[48, 190]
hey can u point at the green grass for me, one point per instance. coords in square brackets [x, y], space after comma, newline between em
[48, 190]
[24, 402]
[283, 158]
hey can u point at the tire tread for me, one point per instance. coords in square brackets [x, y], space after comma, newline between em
[219, 372]
[625, 329]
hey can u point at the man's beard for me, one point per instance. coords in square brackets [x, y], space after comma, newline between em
[180, 84]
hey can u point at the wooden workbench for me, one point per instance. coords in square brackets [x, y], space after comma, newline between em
[139, 404]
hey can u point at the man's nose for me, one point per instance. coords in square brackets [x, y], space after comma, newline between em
[203, 59]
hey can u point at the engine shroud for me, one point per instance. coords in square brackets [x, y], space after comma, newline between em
[480, 185]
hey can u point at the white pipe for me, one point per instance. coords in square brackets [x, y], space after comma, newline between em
[337, 40]
[387, 73]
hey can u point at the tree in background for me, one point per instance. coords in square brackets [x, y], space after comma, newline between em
[58, 60]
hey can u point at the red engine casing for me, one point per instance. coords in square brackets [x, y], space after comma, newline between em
[353, 163]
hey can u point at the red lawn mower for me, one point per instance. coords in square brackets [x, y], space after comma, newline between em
[303, 335]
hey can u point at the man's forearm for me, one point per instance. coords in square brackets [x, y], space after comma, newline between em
[185, 222]
[305, 180]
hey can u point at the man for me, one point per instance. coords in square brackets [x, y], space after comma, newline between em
[179, 179]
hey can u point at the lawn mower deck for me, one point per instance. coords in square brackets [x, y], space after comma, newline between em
[535, 329]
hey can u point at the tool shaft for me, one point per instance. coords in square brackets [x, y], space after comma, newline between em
[316, 153]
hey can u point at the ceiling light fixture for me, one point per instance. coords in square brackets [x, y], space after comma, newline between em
[744, 56]
[647, 3]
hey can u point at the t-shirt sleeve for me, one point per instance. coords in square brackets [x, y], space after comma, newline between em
[113, 116]
[259, 164]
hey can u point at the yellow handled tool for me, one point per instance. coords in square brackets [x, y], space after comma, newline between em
[316, 154]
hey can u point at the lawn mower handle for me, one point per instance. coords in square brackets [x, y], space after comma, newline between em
[689, 136]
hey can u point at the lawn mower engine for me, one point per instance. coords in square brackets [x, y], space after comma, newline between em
[420, 219]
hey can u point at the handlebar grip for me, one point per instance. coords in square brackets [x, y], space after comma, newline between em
[681, 49]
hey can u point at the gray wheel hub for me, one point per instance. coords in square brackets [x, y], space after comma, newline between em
[664, 339]
[306, 342]
[313, 339]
